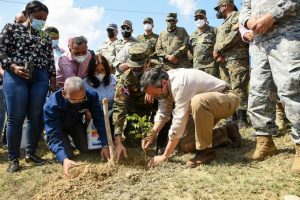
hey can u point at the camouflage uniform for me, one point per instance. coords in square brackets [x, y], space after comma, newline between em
[149, 41]
[109, 50]
[235, 69]
[202, 46]
[174, 43]
[275, 61]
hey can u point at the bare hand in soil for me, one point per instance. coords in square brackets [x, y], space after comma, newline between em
[67, 164]
[105, 153]
[146, 142]
[119, 150]
[157, 160]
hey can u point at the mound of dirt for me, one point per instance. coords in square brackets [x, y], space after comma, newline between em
[81, 181]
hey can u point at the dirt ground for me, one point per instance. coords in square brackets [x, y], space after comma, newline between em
[230, 176]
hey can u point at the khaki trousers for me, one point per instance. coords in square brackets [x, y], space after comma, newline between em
[207, 109]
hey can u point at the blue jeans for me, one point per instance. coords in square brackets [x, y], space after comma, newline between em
[2, 111]
[24, 98]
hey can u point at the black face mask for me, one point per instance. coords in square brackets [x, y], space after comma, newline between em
[110, 33]
[219, 15]
[126, 34]
[78, 107]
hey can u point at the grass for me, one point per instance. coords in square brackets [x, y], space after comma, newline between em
[230, 176]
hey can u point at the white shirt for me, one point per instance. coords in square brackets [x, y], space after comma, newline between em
[183, 85]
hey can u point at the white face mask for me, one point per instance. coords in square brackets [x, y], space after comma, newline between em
[100, 77]
[80, 59]
[148, 27]
[200, 23]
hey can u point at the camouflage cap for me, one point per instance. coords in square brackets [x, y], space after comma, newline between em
[138, 54]
[200, 12]
[127, 23]
[221, 2]
[172, 16]
[148, 19]
[112, 26]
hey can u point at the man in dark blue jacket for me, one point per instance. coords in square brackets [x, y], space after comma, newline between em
[63, 117]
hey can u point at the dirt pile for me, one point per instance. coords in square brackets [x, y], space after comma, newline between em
[81, 182]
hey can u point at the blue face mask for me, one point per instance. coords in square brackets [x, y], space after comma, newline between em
[54, 43]
[37, 24]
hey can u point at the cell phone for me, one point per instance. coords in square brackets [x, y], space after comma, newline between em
[29, 67]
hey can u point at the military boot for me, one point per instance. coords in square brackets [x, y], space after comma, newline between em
[296, 164]
[280, 120]
[265, 146]
[242, 119]
[234, 134]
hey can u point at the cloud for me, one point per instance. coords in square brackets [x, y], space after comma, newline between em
[75, 21]
[186, 7]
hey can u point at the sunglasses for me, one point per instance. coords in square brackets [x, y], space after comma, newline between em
[199, 17]
[171, 20]
[126, 28]
[78, 100]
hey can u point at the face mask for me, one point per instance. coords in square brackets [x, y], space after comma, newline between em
[100, 77]
[110, 33]
[147, 27]
[55, 43]
[200, 23]
[80, 59]
[126, 34]
[37, 24]
[78, 107]
[171, 26]
[219, 13]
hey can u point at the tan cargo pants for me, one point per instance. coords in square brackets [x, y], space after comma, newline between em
[207, 109]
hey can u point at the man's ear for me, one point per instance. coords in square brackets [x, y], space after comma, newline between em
[63, 93]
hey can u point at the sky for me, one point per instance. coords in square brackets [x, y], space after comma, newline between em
[91, 17]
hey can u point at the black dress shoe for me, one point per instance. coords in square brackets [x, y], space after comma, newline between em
[31, 158]
[13, 166]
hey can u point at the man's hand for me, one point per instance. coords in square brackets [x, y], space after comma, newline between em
[123, 67]
[157, 160]
[148, 99]
[119, 148]
[263, 24]
[248, 36]
[105, 153]
[250, 22]
[20, 71]
[172, 59]
[146, 142]
[67, 164]
[218, 57]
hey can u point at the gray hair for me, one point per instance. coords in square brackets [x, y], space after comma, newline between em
[79, 40]
[153, 77]
[73, 84]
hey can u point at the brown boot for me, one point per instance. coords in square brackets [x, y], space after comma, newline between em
[202, 157]
[264, 147]
[234, 134]
[220, 137]
[296, 164]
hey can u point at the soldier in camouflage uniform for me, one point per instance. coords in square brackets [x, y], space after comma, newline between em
[128, 97]
[202, 44]
[172, 45]
[233, 55]
[275, 62]
[149, 38]
[120, 63]
[109, 48]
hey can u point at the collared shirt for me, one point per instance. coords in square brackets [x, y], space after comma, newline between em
[18, 46]
[184, 84]
[55, 111]
[109, 50]
[68, 67]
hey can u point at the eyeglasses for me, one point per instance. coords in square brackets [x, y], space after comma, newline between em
[126, 28]
[78, 100]
[198, 17]
[171, 20]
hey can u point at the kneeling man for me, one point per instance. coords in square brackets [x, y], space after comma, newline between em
[63, 118]
[207, 98]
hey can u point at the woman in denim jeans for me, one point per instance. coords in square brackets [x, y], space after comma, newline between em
[27, 58]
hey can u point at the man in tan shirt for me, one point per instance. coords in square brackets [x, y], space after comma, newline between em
[207, 98]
